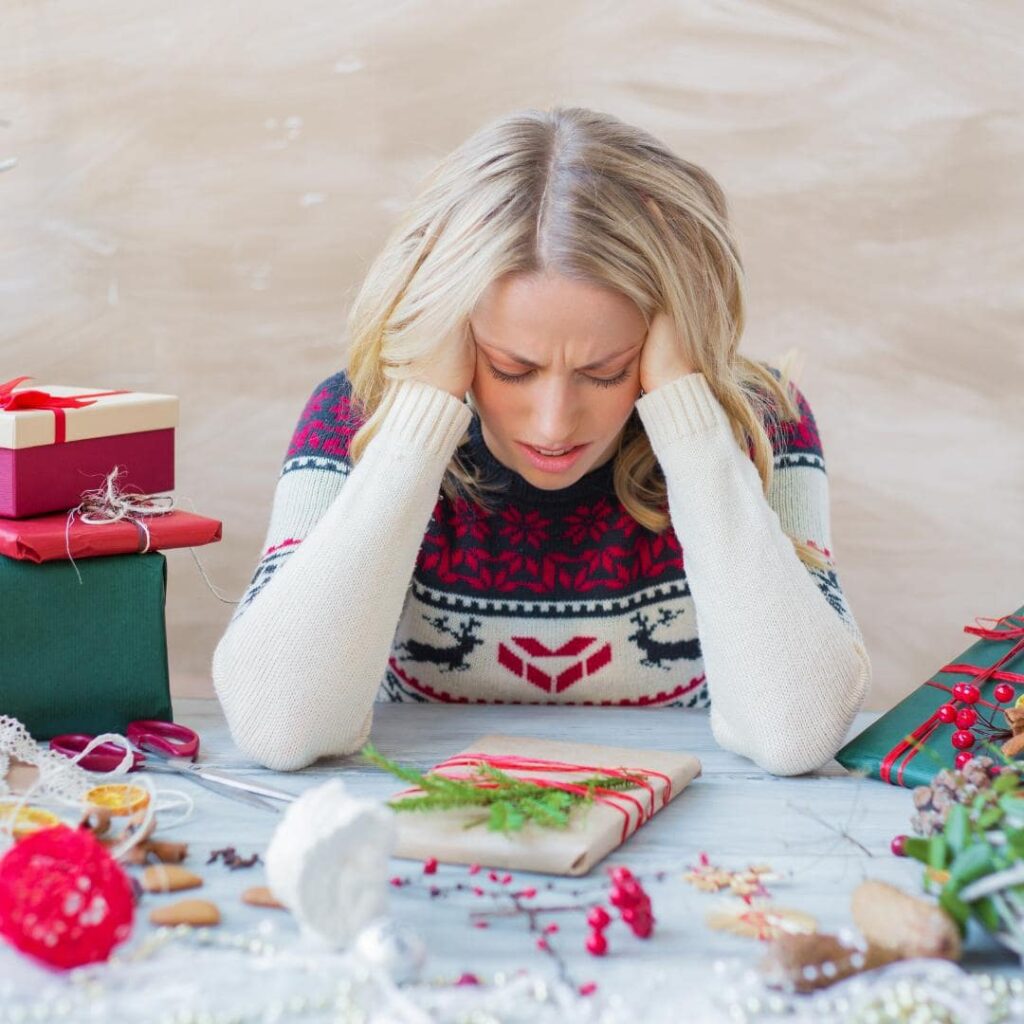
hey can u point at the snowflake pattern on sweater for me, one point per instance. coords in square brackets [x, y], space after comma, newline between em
[548, 596]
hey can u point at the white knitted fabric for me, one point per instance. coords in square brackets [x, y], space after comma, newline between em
[336, 618]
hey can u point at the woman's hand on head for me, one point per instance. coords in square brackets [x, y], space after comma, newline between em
[452, 367]
[664, 357]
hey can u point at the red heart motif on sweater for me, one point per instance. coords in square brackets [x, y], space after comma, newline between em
[533, 648]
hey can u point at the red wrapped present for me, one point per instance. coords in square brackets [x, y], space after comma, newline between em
[48, 538]
[56, 442]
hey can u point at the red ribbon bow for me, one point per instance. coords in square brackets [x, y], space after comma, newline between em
[914, 741]
[17, 401]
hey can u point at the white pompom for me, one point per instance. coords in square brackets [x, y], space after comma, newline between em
[328, 862]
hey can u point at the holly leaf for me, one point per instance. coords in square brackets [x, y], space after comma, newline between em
[1006, 782]
[954, 906]
[957, 828]
[971, 864]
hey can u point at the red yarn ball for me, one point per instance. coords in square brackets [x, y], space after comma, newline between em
[63, 899]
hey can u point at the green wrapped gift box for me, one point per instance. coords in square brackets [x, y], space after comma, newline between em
[85, 657]
[910, 743]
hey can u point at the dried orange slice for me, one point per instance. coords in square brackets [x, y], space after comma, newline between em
[29, 819]
[119, 798]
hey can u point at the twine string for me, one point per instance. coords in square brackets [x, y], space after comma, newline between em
[113, 503]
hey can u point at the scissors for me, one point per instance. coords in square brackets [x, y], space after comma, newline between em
[173, 748]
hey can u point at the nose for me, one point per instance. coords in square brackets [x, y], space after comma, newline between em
[556, 415]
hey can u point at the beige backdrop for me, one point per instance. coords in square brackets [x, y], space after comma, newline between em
[191, 192]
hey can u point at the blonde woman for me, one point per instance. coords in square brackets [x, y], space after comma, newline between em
[548, 475]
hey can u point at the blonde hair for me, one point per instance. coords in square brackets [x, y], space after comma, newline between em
[582, 194]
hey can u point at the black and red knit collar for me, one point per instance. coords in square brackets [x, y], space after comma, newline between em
[519, 490]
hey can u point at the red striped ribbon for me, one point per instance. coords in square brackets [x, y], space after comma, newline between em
[511, 764]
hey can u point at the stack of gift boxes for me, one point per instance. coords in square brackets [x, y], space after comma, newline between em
[83, 646]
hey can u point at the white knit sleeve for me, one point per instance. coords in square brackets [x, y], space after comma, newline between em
[298, 668]
[785, 663]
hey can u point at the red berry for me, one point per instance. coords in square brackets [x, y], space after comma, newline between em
[966, 717]
[468, 979]
[527, 894]
[971, 694]
[542, 944]
[962, 758]
[597, 944]
[947, 713]
[430, 866]
[643, 926]
[473, 869]
[598, 918]
[899, 846]
[631, 892]
[620, 875]
[616, 897]
[588, 988]
[962, 739]
[550, 929]
[1003, 693]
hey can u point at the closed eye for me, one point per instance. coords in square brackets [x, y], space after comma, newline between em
[517, 378]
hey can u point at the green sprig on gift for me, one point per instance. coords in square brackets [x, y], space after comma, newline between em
[510, 803]
[975, 858]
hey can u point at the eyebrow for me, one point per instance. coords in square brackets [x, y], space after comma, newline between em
[536, 366]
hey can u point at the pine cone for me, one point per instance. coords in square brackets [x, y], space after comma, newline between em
[951, 786]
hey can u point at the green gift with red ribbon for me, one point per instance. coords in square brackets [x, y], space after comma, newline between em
[56, 442]
[956, 714]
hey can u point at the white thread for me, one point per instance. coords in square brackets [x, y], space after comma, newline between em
[61, 781]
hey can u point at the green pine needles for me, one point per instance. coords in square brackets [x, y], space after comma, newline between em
[509, 803]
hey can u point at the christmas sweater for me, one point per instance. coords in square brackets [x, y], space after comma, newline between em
[373, 585]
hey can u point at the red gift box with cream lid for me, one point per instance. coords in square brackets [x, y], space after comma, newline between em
[56, 442]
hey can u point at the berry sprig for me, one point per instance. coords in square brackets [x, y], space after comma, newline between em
[630, 898]
[966, 718]
[626, 894]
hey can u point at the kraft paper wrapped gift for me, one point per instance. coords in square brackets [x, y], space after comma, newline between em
[56, 442]
[83, 657]
[593, 832]
[910, 743]
[48, 538]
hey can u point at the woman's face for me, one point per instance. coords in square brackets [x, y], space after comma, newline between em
[557, 368]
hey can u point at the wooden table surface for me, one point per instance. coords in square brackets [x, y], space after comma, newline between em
[823, 833]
